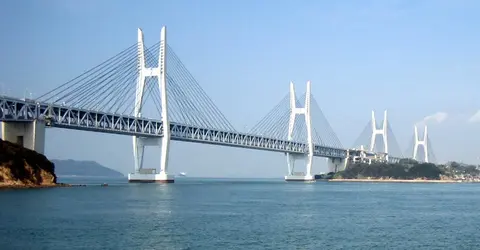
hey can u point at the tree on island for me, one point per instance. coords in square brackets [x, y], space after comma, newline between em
[425, 170]
[405, 169]
[409, 169]
[462, 168]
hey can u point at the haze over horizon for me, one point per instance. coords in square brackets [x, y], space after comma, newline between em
[417, 59]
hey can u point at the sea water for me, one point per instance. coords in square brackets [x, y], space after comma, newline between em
[241, 214]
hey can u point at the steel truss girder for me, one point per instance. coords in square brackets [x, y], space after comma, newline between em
[210, 136]
[66, 117]
[55, 115]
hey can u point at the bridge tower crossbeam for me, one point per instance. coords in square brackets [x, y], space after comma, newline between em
[141, 174]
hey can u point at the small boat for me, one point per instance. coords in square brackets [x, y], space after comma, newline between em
[182, 174]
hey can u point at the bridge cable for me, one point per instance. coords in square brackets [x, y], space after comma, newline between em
[410, 148]
[124, 83]
[271, 117]
[77, 94]
[361, 141]
[150, 86]
[101, 65]
[274, 118]
[186, 105]
[432, 156]
[333, 139]
[88, 95]
[395, 143]
[199, 90]
[199, 118]
[205, 117]
[85, 80]
[258, 127]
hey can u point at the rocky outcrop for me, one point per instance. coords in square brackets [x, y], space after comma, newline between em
[21, 167]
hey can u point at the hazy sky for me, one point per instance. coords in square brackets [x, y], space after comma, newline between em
[418, 59]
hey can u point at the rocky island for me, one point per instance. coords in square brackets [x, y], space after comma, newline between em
[24, 168]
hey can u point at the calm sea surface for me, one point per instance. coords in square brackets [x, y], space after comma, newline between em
[241, 214]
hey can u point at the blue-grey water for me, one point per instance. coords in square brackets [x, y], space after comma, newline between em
[241, 214]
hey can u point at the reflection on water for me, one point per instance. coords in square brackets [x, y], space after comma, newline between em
[240, 214]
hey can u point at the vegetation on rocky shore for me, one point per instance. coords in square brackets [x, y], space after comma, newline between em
[408, 169]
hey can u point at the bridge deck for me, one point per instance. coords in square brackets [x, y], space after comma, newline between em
[12, 109]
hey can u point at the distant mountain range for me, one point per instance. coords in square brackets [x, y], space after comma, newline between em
[83, 168]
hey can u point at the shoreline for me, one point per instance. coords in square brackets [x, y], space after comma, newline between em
[394, 180]
[27, 186]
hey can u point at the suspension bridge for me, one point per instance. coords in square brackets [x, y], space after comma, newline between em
[113, 97]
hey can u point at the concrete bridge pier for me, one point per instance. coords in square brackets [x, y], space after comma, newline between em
[336, 164]
[29, 134]
[150, 174]
[299, 176]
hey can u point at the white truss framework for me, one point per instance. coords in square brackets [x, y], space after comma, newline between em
[12, 109]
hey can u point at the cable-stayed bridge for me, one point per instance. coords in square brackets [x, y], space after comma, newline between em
[148, 93]
[113, 96]
[380, 138]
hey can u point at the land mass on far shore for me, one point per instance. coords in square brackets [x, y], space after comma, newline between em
[394, 180]
[24, 168]
[83, 168]
[408, 171]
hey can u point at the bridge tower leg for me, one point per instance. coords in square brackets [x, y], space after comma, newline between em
[141, 174]
[336, 164]
[423, 142]
[382, 131]
[29, 134]
[291, 158]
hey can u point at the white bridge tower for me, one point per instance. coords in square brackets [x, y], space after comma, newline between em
[291, 157]
[143, 174]
[382, 132]
[423, 142]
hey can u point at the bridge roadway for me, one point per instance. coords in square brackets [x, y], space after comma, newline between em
[18, 110]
